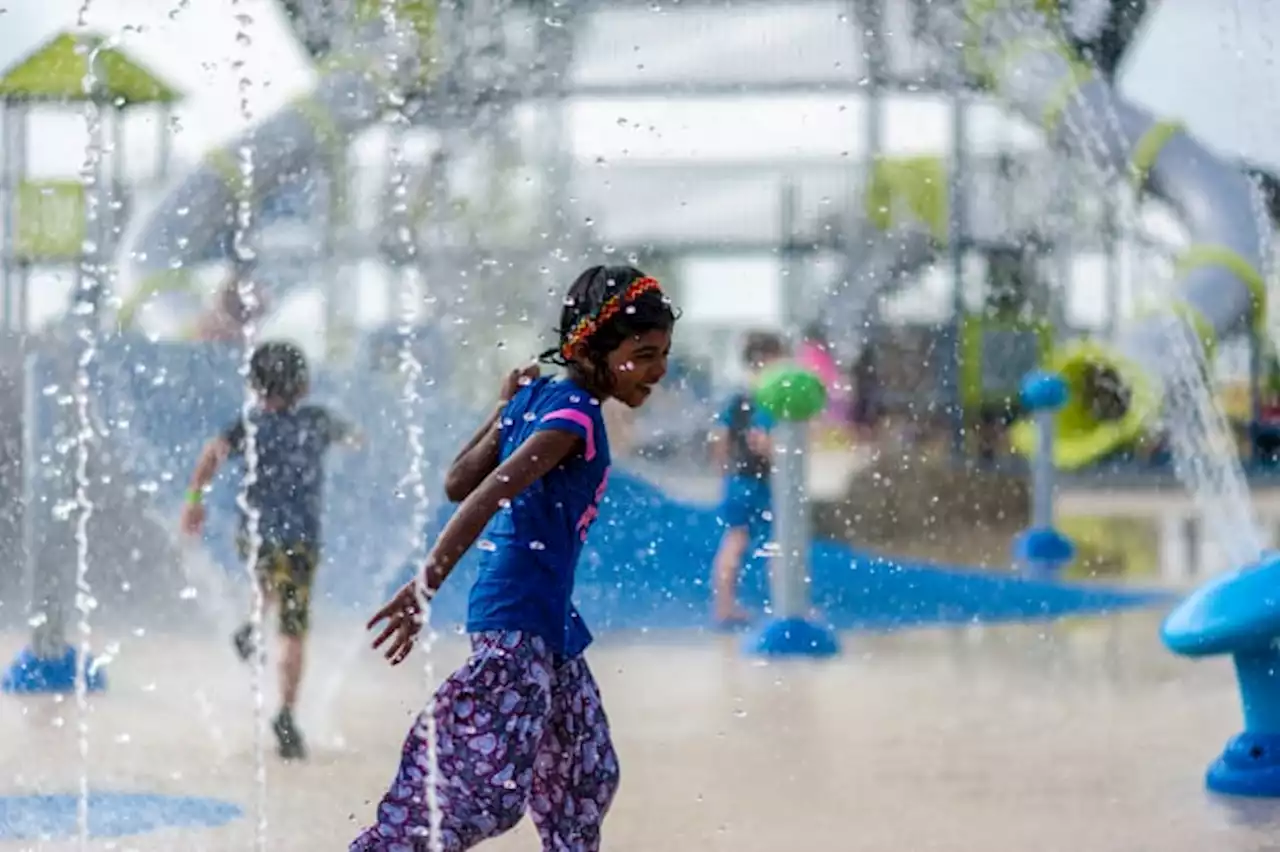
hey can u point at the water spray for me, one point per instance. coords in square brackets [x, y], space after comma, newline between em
[85, 315]
[247, 291]
[399, 39]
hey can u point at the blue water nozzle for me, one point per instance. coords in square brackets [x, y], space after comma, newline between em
[1043, 391]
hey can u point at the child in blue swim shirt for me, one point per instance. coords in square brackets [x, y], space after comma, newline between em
[526, 578]
[521, 725]
[742, 446]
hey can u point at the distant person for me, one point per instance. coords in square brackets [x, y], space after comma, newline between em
[815, 354]
[224, 321]
[742, 447]
[865, 412]
[289, 442]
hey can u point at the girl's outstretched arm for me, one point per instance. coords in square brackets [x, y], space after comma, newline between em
[537, 456]
[479, 457]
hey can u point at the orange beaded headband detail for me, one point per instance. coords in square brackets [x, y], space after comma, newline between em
[587, 325]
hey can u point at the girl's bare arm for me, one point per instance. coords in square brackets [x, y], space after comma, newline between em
[477, 459]
[536, 457]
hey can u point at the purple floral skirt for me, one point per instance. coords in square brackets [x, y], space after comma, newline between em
[515, 732]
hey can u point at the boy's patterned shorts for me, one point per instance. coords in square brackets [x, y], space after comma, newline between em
[286, 572]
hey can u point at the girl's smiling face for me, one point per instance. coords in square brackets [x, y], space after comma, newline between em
[637, 364]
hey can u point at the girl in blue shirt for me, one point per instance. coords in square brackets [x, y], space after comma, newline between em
[520, 725]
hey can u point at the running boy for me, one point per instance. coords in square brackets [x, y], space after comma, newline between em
[742, 447]
[520, 725]
[289, 442]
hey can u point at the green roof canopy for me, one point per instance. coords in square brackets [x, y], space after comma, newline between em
[56, 71]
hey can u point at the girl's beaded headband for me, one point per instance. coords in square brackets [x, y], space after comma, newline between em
[588, 325]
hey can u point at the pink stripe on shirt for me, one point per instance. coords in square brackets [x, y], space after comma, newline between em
[575, 416]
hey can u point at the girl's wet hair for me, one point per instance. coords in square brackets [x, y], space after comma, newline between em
[278, 370]
[605, 306]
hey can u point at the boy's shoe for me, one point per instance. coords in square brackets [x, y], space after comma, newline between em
[243, 641]
[289, 744]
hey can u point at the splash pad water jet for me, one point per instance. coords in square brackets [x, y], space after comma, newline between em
[794, 396]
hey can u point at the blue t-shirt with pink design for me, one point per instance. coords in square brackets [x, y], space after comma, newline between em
[531, 548]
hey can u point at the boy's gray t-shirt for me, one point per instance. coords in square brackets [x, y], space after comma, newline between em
[290, 446]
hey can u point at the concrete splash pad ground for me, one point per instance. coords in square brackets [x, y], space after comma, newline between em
[1079, 735]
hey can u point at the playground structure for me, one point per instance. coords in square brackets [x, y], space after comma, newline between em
[46, 222]
[313, 138]
[646, 574]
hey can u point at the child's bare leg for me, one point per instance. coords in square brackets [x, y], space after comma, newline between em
[268, 605]
[727, 566]
[243, 637]
[292, 658]
[293, 595]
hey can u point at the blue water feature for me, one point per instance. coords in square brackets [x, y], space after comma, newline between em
[52, 817]
[1238, 613]
[29, 674]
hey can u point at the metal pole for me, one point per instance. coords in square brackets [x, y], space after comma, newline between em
[556, 52]
[339, 303]
[1041, 549]
[790, 505]
[957, 240]
[791, 572]
[43, 486]
[1257, 366]
[113, 210]
[18, 303]
[1063, 257]
[10, 217]
[877, 58]
[1042, 472]
[30, 498]
[100, 229]
[869, 15]
[164, 144]
[1113, 276]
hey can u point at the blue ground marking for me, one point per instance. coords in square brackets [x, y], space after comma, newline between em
[30, 817]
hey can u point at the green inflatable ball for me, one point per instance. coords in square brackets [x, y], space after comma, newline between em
[790, 392]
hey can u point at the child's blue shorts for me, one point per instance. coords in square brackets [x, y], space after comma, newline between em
[747, 502]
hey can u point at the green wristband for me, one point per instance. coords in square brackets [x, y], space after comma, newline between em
[195, 496]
